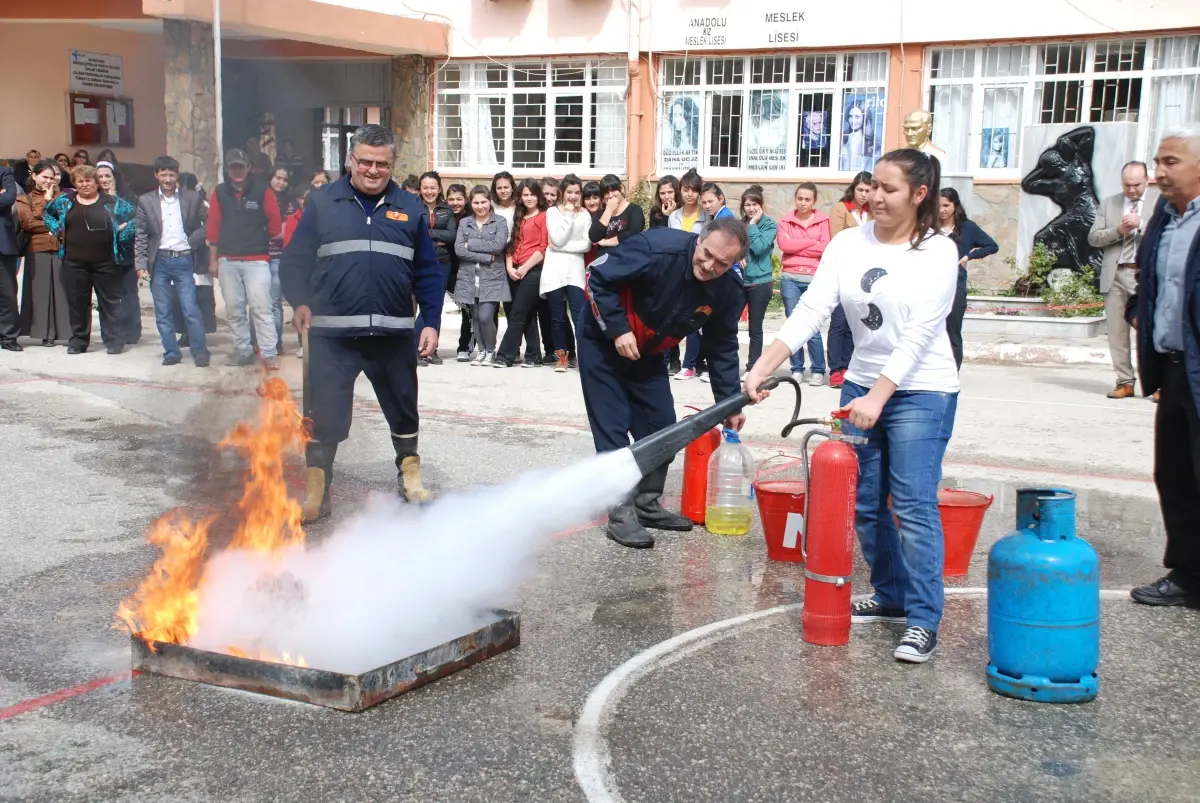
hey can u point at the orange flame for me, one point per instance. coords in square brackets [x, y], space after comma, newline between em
[165, 607]
[270, 519]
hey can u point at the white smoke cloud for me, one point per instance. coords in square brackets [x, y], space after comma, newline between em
[397, 580]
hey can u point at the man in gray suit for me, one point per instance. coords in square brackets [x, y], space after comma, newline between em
[170, 231]
[1118, 230]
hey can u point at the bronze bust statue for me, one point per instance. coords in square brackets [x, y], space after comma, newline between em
[918, 127]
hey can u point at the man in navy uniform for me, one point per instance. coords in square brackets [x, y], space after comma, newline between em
[647, 295]
[360, 260]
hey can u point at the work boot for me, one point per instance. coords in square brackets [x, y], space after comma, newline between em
[319, 458]
[623, 527]
[650, 512]
[408, 467]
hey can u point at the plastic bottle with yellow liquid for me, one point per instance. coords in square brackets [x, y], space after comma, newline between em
[730, 487]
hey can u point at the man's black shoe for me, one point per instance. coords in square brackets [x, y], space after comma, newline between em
[11, 345]
[183, 342]
[117, 348]
[174, 359]
[75, 350]
[434, 359]
[623, 527]
[201, 362]
[1164, 592]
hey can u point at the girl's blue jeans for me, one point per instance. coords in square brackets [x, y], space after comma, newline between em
[903, 458]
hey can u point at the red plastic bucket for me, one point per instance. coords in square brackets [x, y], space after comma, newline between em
[962, 517]
[781, 508]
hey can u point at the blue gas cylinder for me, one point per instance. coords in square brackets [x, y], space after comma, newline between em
[1044, 604]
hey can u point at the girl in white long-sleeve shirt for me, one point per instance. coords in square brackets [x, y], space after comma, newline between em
[562, 273]
[895, 277]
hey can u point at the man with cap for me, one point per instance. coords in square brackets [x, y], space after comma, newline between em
[243, 217]
[359, 264]
[647, 295]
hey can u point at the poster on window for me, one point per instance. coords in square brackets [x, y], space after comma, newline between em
[994, 151]
[766, 148]
[862, 130]
[814, 138]
[681, 133]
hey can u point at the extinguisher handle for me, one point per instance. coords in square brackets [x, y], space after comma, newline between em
[840, 414]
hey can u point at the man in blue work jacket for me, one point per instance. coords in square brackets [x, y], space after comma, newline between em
[647, 295]
[359, 256]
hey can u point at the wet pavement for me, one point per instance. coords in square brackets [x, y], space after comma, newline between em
[747, 712]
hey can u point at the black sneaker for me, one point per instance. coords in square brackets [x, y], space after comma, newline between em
[572, 363]
[917, 646]
[868, 610]
[173, 359]
[1164, 592]
[435, 360]
[531, 362]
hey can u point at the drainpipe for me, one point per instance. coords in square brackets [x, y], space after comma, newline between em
[634, 97]
[220, 122]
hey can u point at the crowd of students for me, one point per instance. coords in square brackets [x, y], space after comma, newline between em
[524, 247]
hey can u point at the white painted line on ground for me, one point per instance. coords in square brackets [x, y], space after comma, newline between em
[592, 759]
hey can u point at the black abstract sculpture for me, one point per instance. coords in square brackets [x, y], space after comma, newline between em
[1064, 175]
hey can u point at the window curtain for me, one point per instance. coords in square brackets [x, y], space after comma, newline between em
[952, 125]
[1001, 140]
[1176, 101]
[479, 134]
[608, 142]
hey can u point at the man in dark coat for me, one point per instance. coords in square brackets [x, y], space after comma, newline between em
[1166, 312]
[10, 255]
[359, 257]
[646, 295]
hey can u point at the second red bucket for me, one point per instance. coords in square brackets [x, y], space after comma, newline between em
[962, 517]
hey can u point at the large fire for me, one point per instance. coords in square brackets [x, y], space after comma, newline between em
[166, 606]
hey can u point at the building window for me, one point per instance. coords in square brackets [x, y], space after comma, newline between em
[788, 115]
[337, 126]
[567, 116]
[982, 98]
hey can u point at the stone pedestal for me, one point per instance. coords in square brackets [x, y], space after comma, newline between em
[410, 114]
[191, 104]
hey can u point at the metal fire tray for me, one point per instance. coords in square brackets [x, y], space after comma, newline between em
[322, 687]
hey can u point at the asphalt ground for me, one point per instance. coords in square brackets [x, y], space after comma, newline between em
[614, 693]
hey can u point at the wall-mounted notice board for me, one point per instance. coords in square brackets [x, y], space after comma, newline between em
[101, 120]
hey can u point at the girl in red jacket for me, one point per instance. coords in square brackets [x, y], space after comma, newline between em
[802, 236]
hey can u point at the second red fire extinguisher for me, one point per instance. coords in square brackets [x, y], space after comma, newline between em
[695, 474]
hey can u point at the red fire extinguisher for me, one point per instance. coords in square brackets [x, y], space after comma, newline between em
[828, 538]
[694, 499]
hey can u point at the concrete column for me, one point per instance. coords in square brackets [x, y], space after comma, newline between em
[191, 104]
[412, 81]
